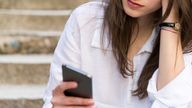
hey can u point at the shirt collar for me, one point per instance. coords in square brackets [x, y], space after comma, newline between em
[148, 46]
[98, 34]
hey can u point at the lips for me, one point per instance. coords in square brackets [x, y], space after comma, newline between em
[133, 4]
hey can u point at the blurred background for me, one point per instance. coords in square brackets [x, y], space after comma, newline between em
[29, 32]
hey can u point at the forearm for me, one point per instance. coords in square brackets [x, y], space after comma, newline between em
[168, 58]
[171, 60]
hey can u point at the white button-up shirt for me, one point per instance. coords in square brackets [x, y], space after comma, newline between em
[79, 46]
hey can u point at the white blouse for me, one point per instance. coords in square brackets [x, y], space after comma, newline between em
[79, 46]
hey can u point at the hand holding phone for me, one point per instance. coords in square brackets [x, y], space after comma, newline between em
[60, 100]
[84, 81]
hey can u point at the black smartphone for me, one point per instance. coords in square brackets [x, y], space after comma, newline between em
[83, 80]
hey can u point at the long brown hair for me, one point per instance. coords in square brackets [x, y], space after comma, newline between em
[121, 27]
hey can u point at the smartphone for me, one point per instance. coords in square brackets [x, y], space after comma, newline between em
[84, 81]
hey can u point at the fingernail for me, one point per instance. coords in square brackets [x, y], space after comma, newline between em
[75, 84]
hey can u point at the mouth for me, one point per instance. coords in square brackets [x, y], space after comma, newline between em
[133, 4]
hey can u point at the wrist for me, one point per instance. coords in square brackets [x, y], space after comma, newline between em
[171, 25]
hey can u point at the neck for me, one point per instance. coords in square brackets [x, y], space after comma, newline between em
[145, 23]
[145, 27]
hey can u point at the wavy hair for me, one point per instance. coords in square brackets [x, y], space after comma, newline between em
[121, 27]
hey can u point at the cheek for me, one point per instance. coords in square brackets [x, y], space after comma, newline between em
[150, 10]
[150, 7]
[156, 5]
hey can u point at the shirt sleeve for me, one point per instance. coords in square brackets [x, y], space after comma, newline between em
[177, 93]
[66, 52]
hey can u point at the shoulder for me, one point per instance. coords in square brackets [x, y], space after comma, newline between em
[188, 58]
[88, 11]
[188, 55]
[93, 7]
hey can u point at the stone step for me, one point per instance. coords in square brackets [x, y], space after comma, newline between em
[26, 59]
[24, 69]
[35, 12]
[22, 91]
[21, 96]
[32, 22]
[40, 4]
[21, 103]
[30, 33]
[28, 44]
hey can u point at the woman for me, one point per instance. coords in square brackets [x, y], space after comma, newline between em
[137, 51]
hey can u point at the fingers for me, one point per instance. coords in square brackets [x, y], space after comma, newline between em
[78, 101]
[68, 101]
[164, 6]
[59, 100]
[64, 86]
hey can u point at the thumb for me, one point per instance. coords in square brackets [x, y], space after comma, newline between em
[64, 86]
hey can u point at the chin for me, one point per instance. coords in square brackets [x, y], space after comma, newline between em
[133, 14]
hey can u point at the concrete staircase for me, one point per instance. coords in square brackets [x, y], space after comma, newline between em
[29, 32]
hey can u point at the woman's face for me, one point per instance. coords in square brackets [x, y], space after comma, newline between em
[139, 8]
